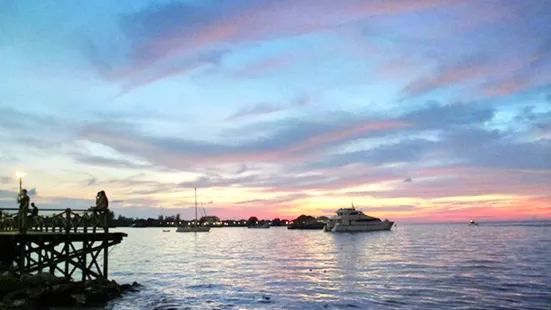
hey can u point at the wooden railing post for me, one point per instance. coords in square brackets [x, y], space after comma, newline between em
[95, 221]
[67, 239]
[105, 243]
[85, 247]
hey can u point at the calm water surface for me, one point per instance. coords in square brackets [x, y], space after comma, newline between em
[493, 266]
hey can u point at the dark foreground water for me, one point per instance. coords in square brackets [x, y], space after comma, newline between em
[493, 266]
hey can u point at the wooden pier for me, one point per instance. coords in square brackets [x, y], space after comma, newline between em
[64, 242]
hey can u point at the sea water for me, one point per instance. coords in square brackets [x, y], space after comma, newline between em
[432, 266]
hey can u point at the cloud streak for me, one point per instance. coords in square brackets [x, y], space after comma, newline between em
[256, 110]
[161, 34]
[286, 144]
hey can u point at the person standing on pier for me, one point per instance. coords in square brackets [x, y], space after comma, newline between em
[23, 200]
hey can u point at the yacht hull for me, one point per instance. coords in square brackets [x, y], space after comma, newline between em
[379, 226]
[193, 229]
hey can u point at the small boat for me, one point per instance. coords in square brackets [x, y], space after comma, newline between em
[473, 223]
[352, 220]
[263, 225]
[193, 227]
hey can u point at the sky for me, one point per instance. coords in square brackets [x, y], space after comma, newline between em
[421, 110]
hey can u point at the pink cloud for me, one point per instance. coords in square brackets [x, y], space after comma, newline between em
[520, 212]
[495, 77]
[506, 87]
[271, 19]
[465, 73]
[346, 133]
[517, 84]
[279, 17]
[297, 151]
[480, 180]
[291, 153]
[339, 179]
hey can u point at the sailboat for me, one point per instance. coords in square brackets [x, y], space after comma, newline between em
[195, 227]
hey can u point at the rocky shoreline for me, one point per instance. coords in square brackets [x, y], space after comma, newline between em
[46, 291]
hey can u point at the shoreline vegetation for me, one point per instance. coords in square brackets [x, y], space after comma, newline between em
[301, 222]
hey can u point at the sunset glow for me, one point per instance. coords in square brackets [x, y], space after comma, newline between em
[420, 110]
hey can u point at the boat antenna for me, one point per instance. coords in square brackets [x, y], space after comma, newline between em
[195, 188]
[203, 207]
[352, 205]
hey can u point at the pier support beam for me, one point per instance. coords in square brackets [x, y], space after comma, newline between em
[60, 253]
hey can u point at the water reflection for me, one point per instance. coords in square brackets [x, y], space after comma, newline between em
[416, 267]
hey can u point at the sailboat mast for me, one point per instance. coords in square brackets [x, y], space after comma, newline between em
[195, 205]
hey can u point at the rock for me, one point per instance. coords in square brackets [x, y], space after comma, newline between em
[95, 283]
[42, 279]
[134, 287]
[114, 289]
[19, 303]
[68, 288]
[15, 295]
[58, 298]
[80, 299]
[46, 290]
[129, 287]
[126, 287]
[9, 283]
[23, 304]
[97, 297]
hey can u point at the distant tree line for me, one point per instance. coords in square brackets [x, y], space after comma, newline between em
[175, 220]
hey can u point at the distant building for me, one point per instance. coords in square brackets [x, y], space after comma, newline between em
[234, 223]
[211, 220]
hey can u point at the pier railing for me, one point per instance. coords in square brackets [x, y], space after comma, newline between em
[59, 240]
[60, 220]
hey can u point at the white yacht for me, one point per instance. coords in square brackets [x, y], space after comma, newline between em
[352, 220]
